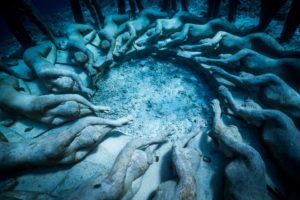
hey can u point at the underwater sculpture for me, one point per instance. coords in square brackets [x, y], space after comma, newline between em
[77, 45]
[118, 182]
[192, 33]
[185, 160]
[272, 91]
[41, 60]
[109, 33]
[135, 29]
[165, 27]
[94, 8]
[49, 109]
[224, 42]
[245, 173]
[59, 146]
[279, 134]
[115, 184]
[253, 62]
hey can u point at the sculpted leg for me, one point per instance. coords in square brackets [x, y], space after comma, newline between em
[130, 40]
[176, 38]
[69, 146]
[60, 86]
[245, 173]
[112, 185]
[57, 99]
[206, 45]
[255, 115]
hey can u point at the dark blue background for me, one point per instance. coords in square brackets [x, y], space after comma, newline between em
[45, 7]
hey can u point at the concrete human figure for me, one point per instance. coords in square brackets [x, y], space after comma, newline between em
[118, 181]
[250, 61]
[279, 133]
[41, 60]
[133, 4]
[224, 42]
[163, 28]
[291, 23]
[245, 173]
[12, 12]
[271, 90]
[268, 10]
[59, 146]
[50, 109]
[94, 8]
[131, 30]
[185, 160]
[192, 33]
[77, 42]
[109, 33]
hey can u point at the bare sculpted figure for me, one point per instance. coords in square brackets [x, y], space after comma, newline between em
[224, 42]
[135, 28]
[49, 109]
[109, 33]
[130, 164]
[192, 33]
[41, 60]
[185, 160]
[163, 28]
[272, 91]
[250, 61]
[77, 45]
[279, 133]
[245, 173]
[63, 145]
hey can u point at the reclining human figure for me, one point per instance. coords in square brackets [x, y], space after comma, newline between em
[130, 164]
[49, 109]
[109, 33]
[163, 28]
[185, 160]
[135, 28]
[245, 172]
[279, 134]
[41, 60]
[224, 42]
[272, 91]
[77, 42]
[250, 61]
[192, 33]
[59, 146]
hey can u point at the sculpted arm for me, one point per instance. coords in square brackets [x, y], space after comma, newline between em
[56, 73]
[177, 38]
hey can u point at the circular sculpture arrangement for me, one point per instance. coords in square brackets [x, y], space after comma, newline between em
[213, 49]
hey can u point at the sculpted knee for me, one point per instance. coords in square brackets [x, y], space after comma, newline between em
[62, 85]
[80, 58]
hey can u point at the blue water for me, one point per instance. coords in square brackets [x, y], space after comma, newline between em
[45, 7]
